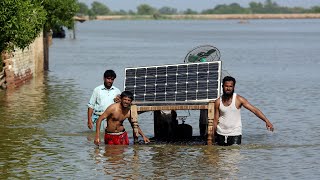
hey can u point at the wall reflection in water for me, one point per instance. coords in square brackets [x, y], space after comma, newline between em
[25, 116]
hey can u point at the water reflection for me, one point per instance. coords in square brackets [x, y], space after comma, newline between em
[26, 114]
[168, 161]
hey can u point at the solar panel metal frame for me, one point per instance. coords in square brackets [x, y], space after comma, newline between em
[142, 77]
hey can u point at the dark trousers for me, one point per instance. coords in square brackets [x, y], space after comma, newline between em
[227, 140]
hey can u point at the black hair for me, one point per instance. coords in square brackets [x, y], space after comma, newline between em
[127, 94]
[109, 73]
[229, 78]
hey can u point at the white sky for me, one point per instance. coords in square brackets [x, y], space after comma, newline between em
[197, 5]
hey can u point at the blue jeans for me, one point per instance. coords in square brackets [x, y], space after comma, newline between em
[94, 121]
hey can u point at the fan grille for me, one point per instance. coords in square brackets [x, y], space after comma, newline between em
[203, 53]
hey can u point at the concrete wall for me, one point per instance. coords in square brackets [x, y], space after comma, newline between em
[22, 65]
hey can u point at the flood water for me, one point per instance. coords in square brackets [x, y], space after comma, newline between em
[276, 63]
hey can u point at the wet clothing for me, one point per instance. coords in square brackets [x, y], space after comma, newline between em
[120, 138]
[227, 140]
[230, 119]
[229, 128]
[94, 121]
[100, 100]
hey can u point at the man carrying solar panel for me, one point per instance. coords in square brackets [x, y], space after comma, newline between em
[227, 116]
[115, 115]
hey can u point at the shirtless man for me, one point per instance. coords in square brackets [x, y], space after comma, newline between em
[227, 117]
[115, 114]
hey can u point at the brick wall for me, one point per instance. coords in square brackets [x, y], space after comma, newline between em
[22, 65]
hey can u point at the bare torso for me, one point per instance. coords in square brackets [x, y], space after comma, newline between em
[116, 118]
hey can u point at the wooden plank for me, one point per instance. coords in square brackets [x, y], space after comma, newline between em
[210, 122]
[171, 107]
[134, 119]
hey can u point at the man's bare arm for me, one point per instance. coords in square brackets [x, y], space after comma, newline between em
[90, 123]
[216, 115]
[256, 111]
[145, 138]
[105, 114]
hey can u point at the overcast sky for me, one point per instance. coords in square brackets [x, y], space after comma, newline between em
[197, 5]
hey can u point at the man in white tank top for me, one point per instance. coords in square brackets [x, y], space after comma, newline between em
[227, 115]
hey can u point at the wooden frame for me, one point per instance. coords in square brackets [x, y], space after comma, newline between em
[135, 108]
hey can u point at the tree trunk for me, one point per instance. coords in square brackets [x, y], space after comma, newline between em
[46, 50]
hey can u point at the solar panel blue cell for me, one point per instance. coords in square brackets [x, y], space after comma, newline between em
[150, 89]
[212, 94]
[202, 76]
[182, 69]
[149, 97]
[191, 95]
[161, 71]
[170, 96]
[141, 72]
[172, 70]
[131, 73]
[212, 85]
[181, 78]
[203, 85]
[161, 80]
[203, 67]
[151, 72]
[160, 89]
[160, 97]
[150, 80]
[181, 87]
[181, 96]
[140, 81]
[192, 68]
[171, 87]
[171, 79]
[213, 67]
[192, 86]
[192, 77]
[139, 98]
[130, 81]
[202, 95]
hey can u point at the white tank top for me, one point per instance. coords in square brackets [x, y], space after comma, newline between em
[230, 119]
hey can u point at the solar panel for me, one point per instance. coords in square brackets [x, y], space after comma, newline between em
[178, 83]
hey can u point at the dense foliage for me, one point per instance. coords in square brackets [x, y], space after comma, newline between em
[98, 8]
[21, 21]
[59, 13]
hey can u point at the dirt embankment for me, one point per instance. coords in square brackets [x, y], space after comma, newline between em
[214, 16]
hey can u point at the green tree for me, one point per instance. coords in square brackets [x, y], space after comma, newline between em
[167, 10]
[315, 9]
[145, 9]
[233, 8]
[98, 8]
[21, 21]
[59, 13]
[120, 12]
[83, 8]
[131, 12]
[256, 7]
[190, 11]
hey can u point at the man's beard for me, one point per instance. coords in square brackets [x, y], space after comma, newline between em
[227, 95]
